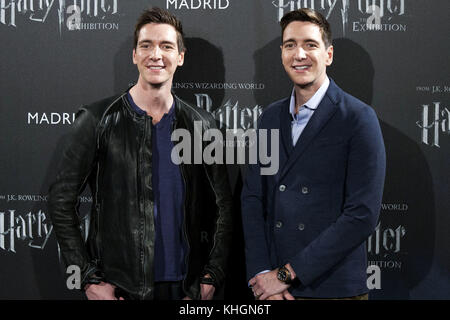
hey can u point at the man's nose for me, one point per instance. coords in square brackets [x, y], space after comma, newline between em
[155, 53]
[300, 53]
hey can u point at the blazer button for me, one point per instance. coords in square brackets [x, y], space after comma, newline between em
[282, 187]
[301, 227]
[279, 224]
[305, 190]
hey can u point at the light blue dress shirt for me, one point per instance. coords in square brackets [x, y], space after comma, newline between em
[305, 112]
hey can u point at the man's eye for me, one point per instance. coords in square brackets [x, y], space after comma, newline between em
[289, 45]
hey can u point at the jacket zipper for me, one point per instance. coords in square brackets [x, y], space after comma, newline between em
[201, 117]
[186, 258]
[97, 211]
[214, 238]
[143, 204]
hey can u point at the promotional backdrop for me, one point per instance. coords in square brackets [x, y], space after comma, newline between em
[57, 55]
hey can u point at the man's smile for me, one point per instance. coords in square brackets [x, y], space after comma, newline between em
[301, 67]
[155, 67]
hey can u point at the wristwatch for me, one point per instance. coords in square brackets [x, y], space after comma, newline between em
[284, 275]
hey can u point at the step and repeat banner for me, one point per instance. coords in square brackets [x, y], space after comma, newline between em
[57, 55]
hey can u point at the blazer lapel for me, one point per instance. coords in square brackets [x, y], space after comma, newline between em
[323, 113]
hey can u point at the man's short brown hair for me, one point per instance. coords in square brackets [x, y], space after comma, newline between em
[158, 15]
[308, 15]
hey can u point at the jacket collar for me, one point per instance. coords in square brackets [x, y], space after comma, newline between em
[324, 112]
[140, 116]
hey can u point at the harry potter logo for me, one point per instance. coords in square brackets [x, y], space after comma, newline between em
[434, 123]
[34, 228]
[230, 116]
[39, 10]
[31, 227]
[386, 239]
[377, 9]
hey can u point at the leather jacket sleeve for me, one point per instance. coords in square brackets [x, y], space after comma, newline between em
[222, 238]
[76, 166]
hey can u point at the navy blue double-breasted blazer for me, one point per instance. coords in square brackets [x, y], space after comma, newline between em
[323, 203]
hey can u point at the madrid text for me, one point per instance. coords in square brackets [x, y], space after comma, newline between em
[198, 4]
[52, 118]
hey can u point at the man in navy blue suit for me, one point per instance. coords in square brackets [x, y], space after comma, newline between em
[305, 226]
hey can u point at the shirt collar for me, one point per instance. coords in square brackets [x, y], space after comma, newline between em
[315, 100]
[136, 108]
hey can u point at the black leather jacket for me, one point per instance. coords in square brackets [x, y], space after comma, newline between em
[110, 149]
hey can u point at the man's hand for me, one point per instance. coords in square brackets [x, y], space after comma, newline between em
[101, 291]
[278, 296]
[267, 284]
[285, 295]
[207, 291]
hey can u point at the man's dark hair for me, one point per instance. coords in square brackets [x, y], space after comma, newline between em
[308, 15]
[158, 15]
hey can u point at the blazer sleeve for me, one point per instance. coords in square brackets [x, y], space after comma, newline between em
[363, 192]
[253, 219]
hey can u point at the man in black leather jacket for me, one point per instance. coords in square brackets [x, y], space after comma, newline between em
[142, 222]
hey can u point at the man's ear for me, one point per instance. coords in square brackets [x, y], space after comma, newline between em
[134, 56]
[181, 58]
[330, 53]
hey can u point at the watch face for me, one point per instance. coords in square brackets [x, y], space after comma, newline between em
[282, 275]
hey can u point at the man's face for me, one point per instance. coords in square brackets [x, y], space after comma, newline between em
[156, 54]
[304, 55]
